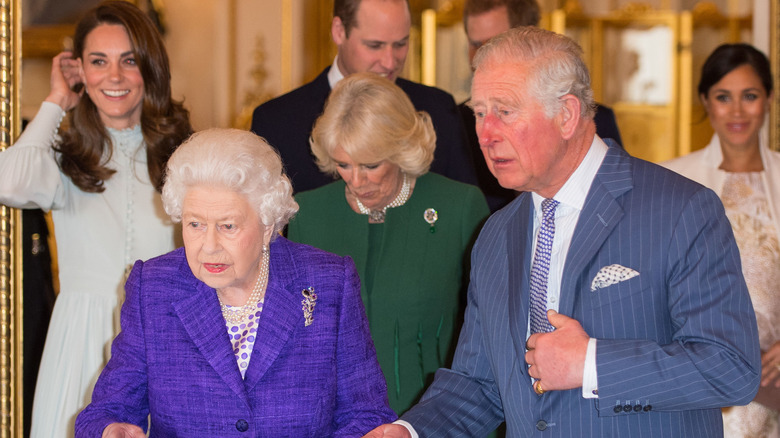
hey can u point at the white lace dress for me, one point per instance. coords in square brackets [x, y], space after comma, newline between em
[748, 210]
[98, 235]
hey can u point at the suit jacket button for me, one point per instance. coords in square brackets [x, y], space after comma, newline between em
[541, 425]
[617, 409]
[627, 408]
[242, 425]
[648, 408]
[637, 408]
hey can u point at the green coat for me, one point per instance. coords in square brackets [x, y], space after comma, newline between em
[413, 280]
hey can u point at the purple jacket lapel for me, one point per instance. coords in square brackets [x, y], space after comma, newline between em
[282, 313]
[202, 319]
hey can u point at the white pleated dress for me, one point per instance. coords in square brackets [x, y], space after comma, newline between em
[98, 235]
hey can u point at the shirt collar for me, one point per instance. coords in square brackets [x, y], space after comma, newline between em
[334, 74]
[575, 189]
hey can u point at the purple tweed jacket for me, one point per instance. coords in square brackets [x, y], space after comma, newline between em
[173, 359]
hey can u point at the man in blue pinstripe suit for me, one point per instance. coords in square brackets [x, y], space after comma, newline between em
[654, 330]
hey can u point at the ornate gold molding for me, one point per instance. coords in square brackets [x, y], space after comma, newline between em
[706, 13]
[258, 93]
[634, 10]
[10, 230]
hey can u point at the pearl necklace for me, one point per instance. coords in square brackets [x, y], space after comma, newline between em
[378, 216]
[234, 315]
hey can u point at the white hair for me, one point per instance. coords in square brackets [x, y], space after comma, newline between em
[555, 63]
[235, 159]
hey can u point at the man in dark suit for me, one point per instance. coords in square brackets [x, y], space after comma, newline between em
[482, 20]
[607, 300]
[371, 35]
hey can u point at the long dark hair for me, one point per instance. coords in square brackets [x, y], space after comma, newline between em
[726, 58]
[165, 122]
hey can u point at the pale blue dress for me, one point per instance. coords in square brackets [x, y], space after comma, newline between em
[98, 236]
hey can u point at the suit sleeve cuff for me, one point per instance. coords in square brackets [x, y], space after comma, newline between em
[408, 427]
[590, 377]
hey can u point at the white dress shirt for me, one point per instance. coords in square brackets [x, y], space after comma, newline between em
[571, 198]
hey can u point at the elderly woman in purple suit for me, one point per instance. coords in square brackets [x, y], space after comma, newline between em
[241, 332]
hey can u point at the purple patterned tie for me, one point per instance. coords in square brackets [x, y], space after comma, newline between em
[541, 267]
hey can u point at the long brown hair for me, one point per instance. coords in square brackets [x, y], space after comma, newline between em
[165, 122]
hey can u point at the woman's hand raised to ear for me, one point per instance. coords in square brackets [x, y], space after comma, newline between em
[64, 77]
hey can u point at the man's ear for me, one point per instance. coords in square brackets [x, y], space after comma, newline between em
[569, 115]
[337, 31]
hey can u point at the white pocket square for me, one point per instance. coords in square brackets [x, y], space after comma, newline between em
[609, 275]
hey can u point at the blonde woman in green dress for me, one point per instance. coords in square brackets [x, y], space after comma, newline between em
[409, 231]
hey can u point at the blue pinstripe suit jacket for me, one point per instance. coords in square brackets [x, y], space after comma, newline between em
[674, 343]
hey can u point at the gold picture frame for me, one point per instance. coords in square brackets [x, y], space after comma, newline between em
[11, 400]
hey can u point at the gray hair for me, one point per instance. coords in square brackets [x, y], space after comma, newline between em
[555, 63]
[372, 119]
[237, 160]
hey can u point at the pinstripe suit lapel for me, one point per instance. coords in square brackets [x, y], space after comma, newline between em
[600, 214]
[202, 319]
[520, 239]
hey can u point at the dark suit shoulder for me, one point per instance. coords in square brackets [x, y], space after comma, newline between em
[307, 94]
[452, 157]
[286, 123]
[419, 93]
[606, 123]
[466, 112]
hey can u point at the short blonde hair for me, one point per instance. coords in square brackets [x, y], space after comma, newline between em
[373, 120]
[238, 160]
